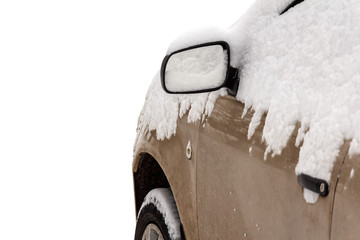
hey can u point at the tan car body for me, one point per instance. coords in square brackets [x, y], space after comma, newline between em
[228, 191]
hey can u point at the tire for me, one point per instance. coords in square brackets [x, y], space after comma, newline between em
[158, 218]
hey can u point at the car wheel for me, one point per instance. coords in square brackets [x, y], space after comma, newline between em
[158, 218]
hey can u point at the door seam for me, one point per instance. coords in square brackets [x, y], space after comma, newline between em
[334, 196]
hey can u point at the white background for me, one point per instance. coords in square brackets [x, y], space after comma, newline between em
[73, 78]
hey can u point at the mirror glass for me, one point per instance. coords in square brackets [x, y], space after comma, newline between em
[197, 69]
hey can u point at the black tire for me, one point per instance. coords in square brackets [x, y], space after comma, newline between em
[153, 218]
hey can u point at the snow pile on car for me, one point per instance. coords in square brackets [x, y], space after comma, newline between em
[161, 110]
[302, 66]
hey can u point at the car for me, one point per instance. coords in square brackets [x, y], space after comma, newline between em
[252, 132]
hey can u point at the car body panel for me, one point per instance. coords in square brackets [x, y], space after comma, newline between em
[240, 194]
[346, 216]
[226, 190]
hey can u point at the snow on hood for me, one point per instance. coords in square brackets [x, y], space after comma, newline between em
[302, 66]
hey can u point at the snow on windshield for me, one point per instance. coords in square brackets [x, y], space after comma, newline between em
[302, 66]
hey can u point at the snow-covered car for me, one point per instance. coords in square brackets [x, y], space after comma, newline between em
[253, 132]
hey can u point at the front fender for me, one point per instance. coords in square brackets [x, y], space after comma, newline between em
[180, 172]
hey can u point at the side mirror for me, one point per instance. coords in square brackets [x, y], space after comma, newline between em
[200, 68]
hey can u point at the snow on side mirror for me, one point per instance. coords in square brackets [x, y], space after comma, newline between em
[200, 68]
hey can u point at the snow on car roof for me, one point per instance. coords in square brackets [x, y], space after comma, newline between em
[299, 67]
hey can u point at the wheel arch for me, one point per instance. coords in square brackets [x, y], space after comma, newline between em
[147, 175]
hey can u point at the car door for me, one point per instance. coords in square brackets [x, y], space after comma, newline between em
[240, 195]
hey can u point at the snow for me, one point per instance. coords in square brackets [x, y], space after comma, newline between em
[352, 173]
[161, 110]
[300, 67]
[165, 203]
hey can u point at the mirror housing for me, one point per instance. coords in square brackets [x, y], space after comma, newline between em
[200, 68]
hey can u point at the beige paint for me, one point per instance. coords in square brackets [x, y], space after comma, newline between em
[228, 191]
[346, 218]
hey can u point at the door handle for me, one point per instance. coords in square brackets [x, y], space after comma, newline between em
[314, 184]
